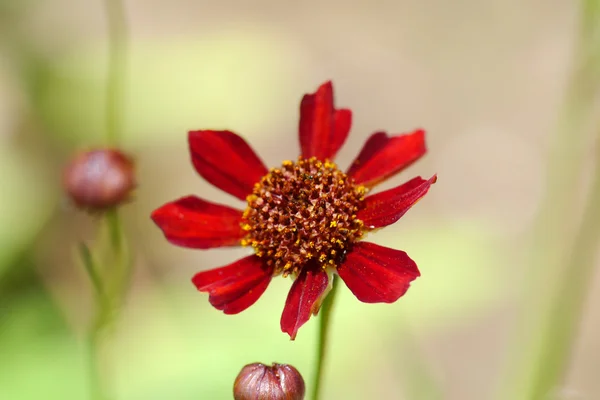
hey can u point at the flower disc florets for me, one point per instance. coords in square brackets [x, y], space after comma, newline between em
[304, 211]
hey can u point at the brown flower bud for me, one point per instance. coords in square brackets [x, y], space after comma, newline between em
[260, 382]
[99, 179]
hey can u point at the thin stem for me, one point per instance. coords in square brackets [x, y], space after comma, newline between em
[101, 319]
[114, 231]
[568, 302]
[90, 267]
[109, 290]
[96, 386]
[117, 66]
[552, 255]
[94, 346]
[324, 323]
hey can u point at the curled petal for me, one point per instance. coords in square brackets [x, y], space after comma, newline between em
[387, 207]
[377, 274]
[199, 224]
[304, 299]
[235, 287]
[225, 160]
[383, 156]
[323, 129]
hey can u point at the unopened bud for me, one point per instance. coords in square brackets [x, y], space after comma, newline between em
[260, 382]
[99, 179]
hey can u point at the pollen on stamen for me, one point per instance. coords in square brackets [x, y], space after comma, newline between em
[303, 211]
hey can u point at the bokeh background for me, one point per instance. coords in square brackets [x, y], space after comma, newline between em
[486, 79]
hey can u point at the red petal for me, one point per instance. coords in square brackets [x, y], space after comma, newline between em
[226, 160]
[304, 299]
[387, 207]
[383, 156]
[235, 287]
[377, 274]
[199, 224]
[323, 129]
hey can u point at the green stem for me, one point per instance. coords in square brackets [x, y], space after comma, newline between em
[117, 66]
[324, 323]
[552, 256]
[96, 386]
[568, 303]
[94, 346]
[101, 320]
[109, 287]
[114, 231]
[90, 268]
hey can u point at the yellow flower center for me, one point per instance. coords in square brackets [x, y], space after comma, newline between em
[304, 211]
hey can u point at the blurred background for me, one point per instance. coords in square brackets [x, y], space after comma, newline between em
[486, 79]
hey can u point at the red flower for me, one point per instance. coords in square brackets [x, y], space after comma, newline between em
[303, 219]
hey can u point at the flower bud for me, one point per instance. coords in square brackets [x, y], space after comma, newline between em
[260, 382]
[99, 179]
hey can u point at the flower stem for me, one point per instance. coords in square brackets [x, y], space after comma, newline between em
[94, 346]
[110, 284]
[557, 269]
[100, 321]
[325, 316]
[90, 268]
[117, 66]
[568, 302]
[114, 230]
[96, 385]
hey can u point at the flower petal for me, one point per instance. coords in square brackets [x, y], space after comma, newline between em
[226, 160]
[304, 299]
[199, 224]
[323, 129]
[237, 286]
[383, 156]
[377, 274]
[387, 207]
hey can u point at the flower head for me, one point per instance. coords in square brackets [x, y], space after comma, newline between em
[261, 382]
[99, 179]
[304, 219]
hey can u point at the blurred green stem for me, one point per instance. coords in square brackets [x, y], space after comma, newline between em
[91, 269]
[110, 283]
[110, 286]
[117, 67]
[100, 321]
[555, 285]
[114, 230]
[324, 323]
[94, 345]
[96, 384]
[568, 302]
